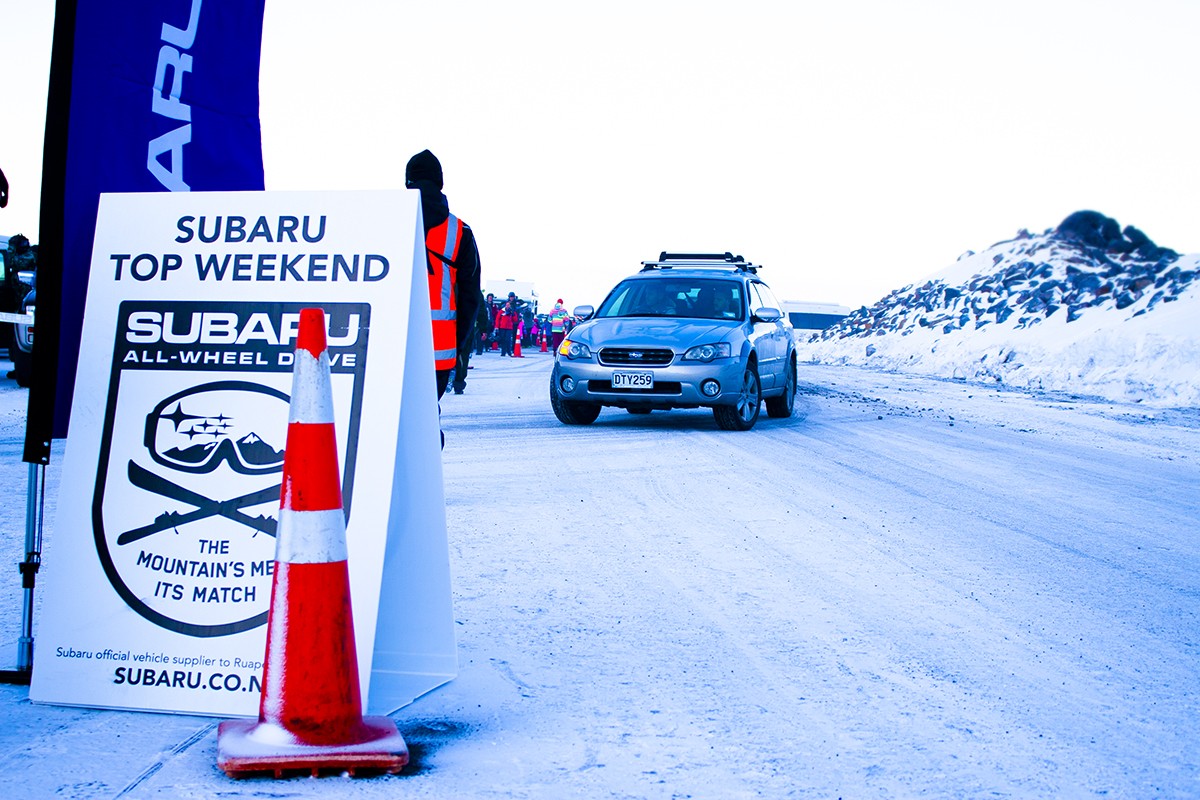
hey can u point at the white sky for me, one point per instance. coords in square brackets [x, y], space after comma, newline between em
[850, 148]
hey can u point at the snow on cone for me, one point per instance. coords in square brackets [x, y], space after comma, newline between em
[310, 715]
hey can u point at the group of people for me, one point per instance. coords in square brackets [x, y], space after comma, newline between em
[501, 324]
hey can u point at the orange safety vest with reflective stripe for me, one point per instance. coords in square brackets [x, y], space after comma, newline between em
[441, 245]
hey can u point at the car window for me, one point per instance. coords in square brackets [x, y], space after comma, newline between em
[756, 299]
[768, 297]
[701, 298]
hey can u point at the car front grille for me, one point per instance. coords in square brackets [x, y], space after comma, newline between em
[635, 356]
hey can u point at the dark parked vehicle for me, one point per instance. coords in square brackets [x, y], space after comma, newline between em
[17, 278]
[20, 352]
[687, 331]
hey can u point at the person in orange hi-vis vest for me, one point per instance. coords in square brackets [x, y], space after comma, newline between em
[454, 271]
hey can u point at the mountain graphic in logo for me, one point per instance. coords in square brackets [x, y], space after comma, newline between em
[250, 450]
[254, 450]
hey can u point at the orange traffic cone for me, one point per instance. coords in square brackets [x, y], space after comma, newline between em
[543, 338]
[517, 346]
[310, 714]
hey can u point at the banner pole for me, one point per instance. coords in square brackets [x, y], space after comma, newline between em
[35, 497]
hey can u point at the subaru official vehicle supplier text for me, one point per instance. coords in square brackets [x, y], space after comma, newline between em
[689, 330]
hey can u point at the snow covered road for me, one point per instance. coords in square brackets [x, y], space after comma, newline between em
[911, 588]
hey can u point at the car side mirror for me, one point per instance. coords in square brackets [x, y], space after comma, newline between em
[583, 312]
[768, 314]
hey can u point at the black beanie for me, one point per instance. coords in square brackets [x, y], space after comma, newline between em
[424, 166]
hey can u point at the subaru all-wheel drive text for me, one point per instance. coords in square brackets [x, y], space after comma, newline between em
[687, 331]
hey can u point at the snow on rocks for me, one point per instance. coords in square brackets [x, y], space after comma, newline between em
[1085, 308]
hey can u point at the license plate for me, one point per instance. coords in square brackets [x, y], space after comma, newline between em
[633, 380]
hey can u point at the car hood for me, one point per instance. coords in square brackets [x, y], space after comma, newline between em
[676, 333]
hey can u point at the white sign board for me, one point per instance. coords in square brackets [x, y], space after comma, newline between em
[158, 572]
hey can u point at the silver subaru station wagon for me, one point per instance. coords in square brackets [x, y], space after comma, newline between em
[688, 331]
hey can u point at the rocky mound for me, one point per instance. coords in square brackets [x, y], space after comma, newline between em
[1025, 309]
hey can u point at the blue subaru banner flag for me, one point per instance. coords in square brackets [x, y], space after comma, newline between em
[162, 96]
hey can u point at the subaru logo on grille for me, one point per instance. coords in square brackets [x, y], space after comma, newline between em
[636, 355]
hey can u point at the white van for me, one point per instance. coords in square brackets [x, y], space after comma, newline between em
[810, 318]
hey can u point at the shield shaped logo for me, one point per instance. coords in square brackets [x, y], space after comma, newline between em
[188, 480]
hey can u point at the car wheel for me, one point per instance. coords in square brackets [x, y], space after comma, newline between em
[569, 412]
[742, 415]
[781, 406]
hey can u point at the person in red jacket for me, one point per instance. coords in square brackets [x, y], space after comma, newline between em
[506, 324]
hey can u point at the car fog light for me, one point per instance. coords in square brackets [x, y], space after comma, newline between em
[710, 388]
[567, 384]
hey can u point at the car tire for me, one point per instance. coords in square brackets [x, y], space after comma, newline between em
[781, 406]
[742, 415]
[570, 412]
[22, 365]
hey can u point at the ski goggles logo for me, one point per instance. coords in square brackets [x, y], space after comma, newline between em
[193, 431]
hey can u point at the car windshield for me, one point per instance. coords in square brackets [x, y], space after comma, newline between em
[700, 298]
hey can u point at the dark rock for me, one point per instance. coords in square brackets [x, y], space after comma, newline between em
[1126, 299]
[1137, 238]
[1090, 228]
[1086, 282]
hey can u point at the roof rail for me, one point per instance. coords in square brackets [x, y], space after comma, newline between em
[726, 256]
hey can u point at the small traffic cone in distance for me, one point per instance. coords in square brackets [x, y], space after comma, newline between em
[310, 713]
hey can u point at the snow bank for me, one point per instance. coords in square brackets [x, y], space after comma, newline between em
[1040, 312]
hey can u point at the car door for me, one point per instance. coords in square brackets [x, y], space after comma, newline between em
[765, 336]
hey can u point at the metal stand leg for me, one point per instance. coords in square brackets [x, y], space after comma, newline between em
[35, 501]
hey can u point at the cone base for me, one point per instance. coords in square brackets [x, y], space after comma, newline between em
[250, 747]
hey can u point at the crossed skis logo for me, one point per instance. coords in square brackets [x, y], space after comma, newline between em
[202, 443]
[188, 481]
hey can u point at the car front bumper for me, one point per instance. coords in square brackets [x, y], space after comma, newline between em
[676, 385]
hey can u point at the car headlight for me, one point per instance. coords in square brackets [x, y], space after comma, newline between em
[574, 350]
[707, 352]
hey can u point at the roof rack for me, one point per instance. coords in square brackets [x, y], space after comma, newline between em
[724, 260]
[726, 256]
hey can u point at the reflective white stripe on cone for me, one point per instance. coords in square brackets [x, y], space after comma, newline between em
[310, 714]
